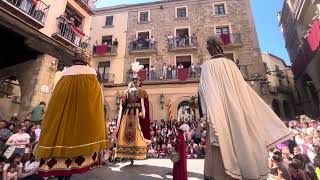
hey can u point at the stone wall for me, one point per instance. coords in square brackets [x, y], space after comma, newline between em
[201, 21]
[32, 76]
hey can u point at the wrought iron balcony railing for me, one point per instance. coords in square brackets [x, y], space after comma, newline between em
[104, 50]
[182, 43]
[70, 34]
[142, 46]
[34, 9]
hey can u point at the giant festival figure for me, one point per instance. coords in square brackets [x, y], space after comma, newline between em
[241, 126]
[74, 130]
[133, 120]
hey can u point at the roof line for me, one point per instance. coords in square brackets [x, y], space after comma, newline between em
[124, 6]
[275, 56]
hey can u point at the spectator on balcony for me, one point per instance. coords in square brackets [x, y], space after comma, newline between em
[135, 43]
[193, 70]
[152, 41]
[164, 71]
[174, 72]
[178, 41]
[115, 42]
[186, 40]
[152, 73]
[169, 72]
[170, 41]
[194, 39]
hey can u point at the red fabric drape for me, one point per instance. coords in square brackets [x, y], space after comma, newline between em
[145, 123]
[77, 30]
[142, 75]
[225, 38]
[101, 49]
[314, 36]
[183, 74]
[180, 168]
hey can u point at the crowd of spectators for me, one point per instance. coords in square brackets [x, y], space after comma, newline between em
[298, 158]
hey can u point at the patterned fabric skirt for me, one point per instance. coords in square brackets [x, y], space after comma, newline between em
[131, 143]
[66, 166]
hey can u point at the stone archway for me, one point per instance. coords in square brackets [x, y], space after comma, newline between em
[276, 107]
[185, 112]
[177, 103]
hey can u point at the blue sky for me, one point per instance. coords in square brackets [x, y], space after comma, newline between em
[265, 15]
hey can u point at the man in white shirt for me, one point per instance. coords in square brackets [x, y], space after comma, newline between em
[164, 70]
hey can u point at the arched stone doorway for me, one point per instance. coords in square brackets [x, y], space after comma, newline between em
[287, 109]
[185, 112]
[276, 107]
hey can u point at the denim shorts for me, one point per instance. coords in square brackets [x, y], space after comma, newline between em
[19, 151]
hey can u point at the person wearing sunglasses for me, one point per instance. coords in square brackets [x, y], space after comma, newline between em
[19, 140]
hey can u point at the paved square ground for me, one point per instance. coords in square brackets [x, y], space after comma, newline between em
[150, 169]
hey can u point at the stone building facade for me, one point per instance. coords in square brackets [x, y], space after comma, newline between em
[282, 94]
[42, 34]
[297, 18]
[232, 19]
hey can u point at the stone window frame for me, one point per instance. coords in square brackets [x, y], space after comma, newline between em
[145, 57]
[149, 16]
[109, 25]
[182, 27]
[176, 12]
[222, 25]
[146, 30]
[176, 55]
[220, 3]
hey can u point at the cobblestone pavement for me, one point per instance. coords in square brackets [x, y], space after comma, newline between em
[151, 169]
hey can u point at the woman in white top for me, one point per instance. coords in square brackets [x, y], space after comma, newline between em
[19, 140]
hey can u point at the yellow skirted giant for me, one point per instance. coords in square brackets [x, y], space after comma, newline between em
[73, 129]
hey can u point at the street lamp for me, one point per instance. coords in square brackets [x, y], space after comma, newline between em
[161, 100]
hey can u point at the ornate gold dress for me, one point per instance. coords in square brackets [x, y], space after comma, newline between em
[131, 142]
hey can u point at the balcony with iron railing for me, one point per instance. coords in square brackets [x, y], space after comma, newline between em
[142, 46]
[104, 50]
[87, 5]
[182, 44]
[69, 34]
[183, 74]
[33, 12]
[231, 40]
